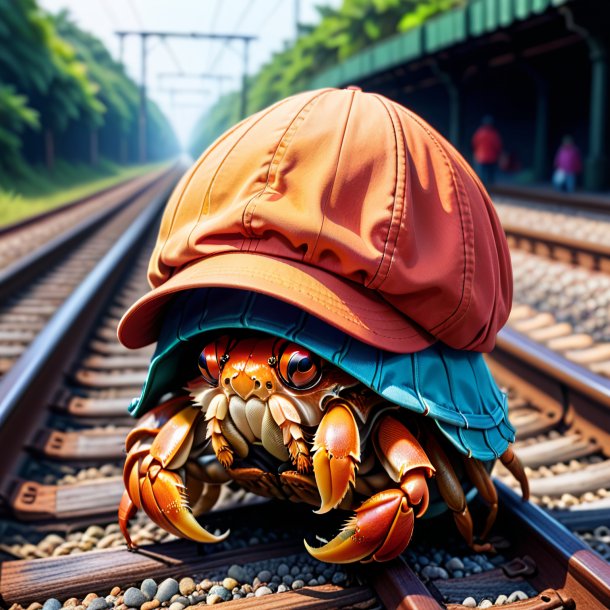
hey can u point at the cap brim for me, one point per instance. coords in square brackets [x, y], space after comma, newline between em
[358, 312]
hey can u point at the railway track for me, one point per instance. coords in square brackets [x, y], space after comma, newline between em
[20, 239]
[34, 286]
[62, 426]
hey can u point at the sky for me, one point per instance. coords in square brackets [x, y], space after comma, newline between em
[272, 21]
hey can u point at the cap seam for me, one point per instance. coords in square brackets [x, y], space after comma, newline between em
[208, 192]
[283, 143]
[197, 165]
[307, 256]
[396, 219]
[466, 227]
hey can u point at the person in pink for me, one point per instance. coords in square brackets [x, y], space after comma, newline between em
[487, 147]
[568, 164]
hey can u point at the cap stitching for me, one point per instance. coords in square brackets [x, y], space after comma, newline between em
[309, 256]
[193, 171]
[396, 218]
[461, 203]
[208, 193]
[278, 155]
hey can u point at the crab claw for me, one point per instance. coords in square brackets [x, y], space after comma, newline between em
[164, 500]
[380, 530]
[337, 455]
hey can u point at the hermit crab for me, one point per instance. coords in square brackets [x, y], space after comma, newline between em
[253, 390]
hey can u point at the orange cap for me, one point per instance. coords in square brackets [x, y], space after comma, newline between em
[349, 206]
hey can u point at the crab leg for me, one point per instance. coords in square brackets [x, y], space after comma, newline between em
[452, 493]
[485, 486]
[336, 455]
[510, 460]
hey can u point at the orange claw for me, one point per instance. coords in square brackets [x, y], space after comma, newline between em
[150, 480]
[337, 455]
[380, 530]
[164, 500]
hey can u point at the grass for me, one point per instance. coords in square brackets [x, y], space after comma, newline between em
[39, 190]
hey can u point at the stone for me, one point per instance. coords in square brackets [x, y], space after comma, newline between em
[166, 589]
[213, 599]
[176, 606]
[230, 583]
[455, 563]
[263, 591]
[433, 572]
[237, 572]
[149, 587]
[221, 591]
[151, 605]
[298, 584]
[51, 604]
[470, 602]
[99, 603]
[134, 598]
[186, 586]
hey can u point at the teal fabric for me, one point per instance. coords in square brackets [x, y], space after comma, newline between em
[453, 387]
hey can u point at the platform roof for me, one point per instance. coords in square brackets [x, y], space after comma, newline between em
[456, 26]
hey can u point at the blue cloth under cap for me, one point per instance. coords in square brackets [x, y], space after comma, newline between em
[453, 387]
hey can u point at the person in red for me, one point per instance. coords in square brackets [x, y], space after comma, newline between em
[568, 164]
[487, 147]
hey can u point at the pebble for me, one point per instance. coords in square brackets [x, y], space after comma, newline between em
[213, 599]
[454, 564]
[501, 600]
[264, 575]
[433, 572]
[470, 602]
[263, 591]
[150, 605]
[338, 578]
[99, 603]
[34, 606]
[221, 591]
[516, 596]
[230, 583]
[237, 572]
[186, 586]
[51, 604]
[176, 606]
[134, 598]
[149, 587]
[283, 570]
[166, 589]
[115, 591]
[298, 584]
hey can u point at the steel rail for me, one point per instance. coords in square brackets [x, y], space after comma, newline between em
[570, 375]
[38, 373]
[581, 201]
[25, 269]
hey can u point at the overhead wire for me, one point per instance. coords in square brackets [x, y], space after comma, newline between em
[240, 19]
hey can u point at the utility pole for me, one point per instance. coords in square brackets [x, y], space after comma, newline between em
[244, 81]
[142, 119]
[145, 34]
[297, 18]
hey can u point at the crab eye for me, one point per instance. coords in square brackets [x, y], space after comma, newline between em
[209, 365]
[298, 368]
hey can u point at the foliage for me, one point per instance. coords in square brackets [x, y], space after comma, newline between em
[341, 32]
[57, 80]
[38, 192]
